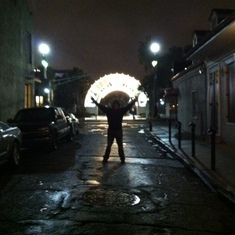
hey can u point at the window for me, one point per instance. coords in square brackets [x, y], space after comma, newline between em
[194, 104]
[29, 48]
[28, 95]
[231, 91]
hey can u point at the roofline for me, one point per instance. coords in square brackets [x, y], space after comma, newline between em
[211, 36]
[193, 66]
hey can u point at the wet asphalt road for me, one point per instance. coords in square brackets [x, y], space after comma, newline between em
[69, 191]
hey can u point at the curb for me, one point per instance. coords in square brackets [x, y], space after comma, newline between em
[213, 181]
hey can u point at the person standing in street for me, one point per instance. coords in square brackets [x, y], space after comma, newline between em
[114, 116]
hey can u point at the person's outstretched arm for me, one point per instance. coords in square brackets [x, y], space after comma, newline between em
[129, 105]
[102, 107]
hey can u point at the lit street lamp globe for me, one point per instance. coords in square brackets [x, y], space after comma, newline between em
[47, 90]
[154, 63]
[44, 62]
[44, 49]
[154, 47]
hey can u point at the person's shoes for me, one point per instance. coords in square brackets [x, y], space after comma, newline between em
[123, 161]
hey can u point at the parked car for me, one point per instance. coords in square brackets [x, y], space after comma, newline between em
[42, 125]
[74, 122]
[10, 144]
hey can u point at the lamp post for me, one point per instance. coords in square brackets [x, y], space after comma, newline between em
[44, 50]
[154, 48]
[154, 64]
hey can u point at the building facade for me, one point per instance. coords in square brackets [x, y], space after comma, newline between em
[207, 87]
[16, 56]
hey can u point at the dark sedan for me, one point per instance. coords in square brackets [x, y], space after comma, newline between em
[42, 125]
[10, 144]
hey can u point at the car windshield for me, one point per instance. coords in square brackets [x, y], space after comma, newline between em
[32, 115]
[3, 126]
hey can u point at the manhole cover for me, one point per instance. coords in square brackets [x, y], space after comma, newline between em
[110, 198]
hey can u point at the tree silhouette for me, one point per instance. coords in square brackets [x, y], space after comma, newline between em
[71, 94]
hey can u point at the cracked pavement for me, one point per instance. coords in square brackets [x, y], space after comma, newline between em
[70, 191]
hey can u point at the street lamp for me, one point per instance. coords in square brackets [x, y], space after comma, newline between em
[44, 50]
[154, 64]
[154, 48]
[45, 65]
[47, 90]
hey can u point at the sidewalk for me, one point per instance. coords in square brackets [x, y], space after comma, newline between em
[222, 179]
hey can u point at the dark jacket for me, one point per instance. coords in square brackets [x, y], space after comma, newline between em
[115, 116]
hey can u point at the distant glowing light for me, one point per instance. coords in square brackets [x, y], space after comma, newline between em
[142, 99]
[46, 90]
[155, 47]
[162, 102]
[110, 83]
[44, 63]
[154, 63]
[44, 49]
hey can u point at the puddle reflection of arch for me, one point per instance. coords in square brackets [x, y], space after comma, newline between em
[111, 83]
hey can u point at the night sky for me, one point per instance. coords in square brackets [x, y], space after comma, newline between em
[103, 36]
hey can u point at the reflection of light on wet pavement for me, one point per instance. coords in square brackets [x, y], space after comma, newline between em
[56, 196]
[43, 209]
[110, 198]
[141, 131]
[34, 229]
[115, 144]
[96, 130]
[92, 182]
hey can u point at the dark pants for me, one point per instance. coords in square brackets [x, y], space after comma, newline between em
[117, 134]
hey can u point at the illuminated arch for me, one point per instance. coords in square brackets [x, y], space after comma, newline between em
[110, 83]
